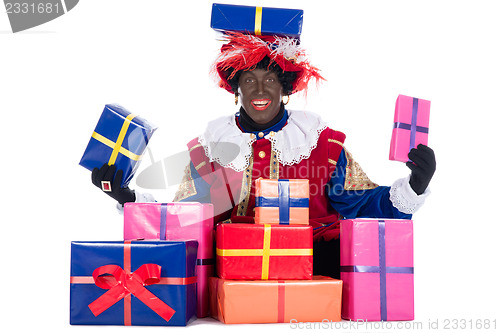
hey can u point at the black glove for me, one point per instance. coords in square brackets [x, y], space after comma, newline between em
[107, 173]
[422, 168]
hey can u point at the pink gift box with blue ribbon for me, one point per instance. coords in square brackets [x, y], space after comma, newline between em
[411, 126]
[376, 258]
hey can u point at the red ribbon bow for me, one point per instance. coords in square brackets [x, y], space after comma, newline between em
[121, 284]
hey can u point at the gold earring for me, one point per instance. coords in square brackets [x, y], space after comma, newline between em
[236, 99]
[283, 99]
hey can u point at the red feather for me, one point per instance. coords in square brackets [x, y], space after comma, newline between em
[244, 52]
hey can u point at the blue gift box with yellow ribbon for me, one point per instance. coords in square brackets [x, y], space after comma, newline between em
[257, 20]
[133, 283]
[120, 138]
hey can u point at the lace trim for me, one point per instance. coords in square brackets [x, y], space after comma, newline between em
[225, 144]
[404, 198]
[294, 155]
[223, 152]
[298, 138]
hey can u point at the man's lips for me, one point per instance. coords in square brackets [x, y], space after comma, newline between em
[260, 104]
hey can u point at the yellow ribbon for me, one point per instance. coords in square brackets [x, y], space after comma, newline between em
[258, 21]
[117, 146]
[265, 252]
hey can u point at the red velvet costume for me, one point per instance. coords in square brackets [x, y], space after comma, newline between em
[301, 147]
[229, 189]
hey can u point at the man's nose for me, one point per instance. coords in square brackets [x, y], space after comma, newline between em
[260, 87]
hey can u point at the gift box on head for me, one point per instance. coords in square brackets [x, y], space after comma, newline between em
[282, 201]
[263, 251]
[133, 283]
[177, 221]
[279, 301]
[376, 258]
[257, 20]
[119, 138]
[411, 126]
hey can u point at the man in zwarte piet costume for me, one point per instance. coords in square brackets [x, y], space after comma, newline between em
[273, 142]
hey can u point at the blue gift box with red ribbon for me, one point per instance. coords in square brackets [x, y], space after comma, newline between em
[120, 138]
[257, 20]
[148, 283]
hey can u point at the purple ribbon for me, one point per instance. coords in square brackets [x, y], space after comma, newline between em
[163, 233]
[376, 269]
[205, 262]
[406, 126]
[381, 263]
[382, 269]
[163, 220]
[413, 129]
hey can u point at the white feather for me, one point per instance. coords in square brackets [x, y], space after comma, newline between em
[288, 48]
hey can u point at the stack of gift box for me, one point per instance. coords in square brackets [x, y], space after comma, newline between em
[163, 271]
[159, 274]
[264, 270]
[376, 256]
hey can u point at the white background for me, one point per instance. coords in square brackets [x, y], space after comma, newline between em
[153, 57]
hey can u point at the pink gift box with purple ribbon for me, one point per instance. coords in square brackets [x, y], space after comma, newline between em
[411, 126]
[376, 258]
[177, 221]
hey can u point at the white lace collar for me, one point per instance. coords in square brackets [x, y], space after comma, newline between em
[225, 144]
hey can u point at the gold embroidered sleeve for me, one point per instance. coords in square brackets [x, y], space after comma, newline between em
[355, 178]
[186, 188]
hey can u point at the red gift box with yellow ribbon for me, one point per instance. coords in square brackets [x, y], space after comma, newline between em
[264, 252]
[279, 301]
[133, 283]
